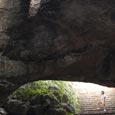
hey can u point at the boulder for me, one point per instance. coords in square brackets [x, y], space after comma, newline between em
[46, 100]
[68, 107]
[3, 111]
[56, 111]
[35, 100]
[36, 110]
[50, 101]
[65, 98]
[17, 107]
[53, 89]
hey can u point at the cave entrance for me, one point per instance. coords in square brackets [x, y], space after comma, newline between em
[75, 97]
[90, 95]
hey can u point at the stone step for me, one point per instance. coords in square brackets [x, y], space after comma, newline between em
[99, 112]
[95, 105]
[112, 107]
[89, 100]
[93, 108]
[93, 102]
[96, 110]
[94, 97]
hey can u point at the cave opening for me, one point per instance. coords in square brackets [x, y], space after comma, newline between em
[34, 6]
[49, 97]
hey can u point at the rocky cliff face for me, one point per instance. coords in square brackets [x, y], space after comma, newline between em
[66, 40]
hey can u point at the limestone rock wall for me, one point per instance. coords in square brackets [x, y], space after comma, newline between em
[66, 40]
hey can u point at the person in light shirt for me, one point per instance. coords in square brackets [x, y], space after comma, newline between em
[102, 100]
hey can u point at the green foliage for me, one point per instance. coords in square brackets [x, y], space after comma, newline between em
[63, 93]
[67, 113]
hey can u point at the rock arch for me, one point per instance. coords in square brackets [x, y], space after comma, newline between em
[66, 40]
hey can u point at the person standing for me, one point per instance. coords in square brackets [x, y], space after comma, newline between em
[102, 101]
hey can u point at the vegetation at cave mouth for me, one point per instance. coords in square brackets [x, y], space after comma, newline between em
[61, 91]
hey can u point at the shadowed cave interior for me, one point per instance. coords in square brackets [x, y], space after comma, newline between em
[58, 40]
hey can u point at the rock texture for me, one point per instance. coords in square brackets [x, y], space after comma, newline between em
[17, 107]
[66, 40]
[3, 111]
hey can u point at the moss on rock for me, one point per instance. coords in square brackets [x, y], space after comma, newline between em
[49, 94]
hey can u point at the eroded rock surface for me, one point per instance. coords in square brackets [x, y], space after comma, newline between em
[66, 40]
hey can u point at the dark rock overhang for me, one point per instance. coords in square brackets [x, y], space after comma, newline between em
[64, 40]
